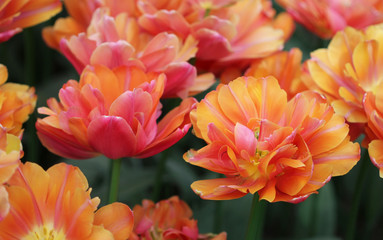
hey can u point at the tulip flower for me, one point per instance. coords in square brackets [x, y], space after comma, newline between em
[284, 66]
[56, 204]
[283, 150]
[116, 41]
[114, 113]
[326, 17]
[17, 101]
[227, 33]
[19, 14]
[167, 219]
[347, 69]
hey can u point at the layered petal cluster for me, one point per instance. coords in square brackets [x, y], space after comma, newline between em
[373, 104]
[167, 219]
[114, 113]
[18, 14]
[117, 41]
[56, 204]
[326, 17]
[284, 150]
[347, 69]
[10, 154]
[227, 31]
[285, 66]
[17, 101]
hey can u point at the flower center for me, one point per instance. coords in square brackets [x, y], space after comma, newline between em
[45, 233]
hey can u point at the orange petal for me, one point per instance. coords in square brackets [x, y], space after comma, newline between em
[375, 149]
[117, 218]
[217, 189]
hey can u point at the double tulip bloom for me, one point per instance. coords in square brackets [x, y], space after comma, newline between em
[285, 66]
[115, 41]
[228, 32]
[114, 113]
[283, 150]
[326, 17]
[56, 204]
[17, 101]
[349, 73]
[167, 219]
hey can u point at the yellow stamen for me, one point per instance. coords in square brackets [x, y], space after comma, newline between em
[45, 233]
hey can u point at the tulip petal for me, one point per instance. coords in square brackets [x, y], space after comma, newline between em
[217, 189]
[60, 142]
[117, 218]
[375, 150]
[112, 136]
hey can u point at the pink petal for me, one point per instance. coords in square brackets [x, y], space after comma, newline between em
[180, 77]
[112, 136]
[245, 139]
[78, 50]
[62, 143]
[165, 21]
[113, 54]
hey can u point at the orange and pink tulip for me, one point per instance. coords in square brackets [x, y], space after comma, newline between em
[347, 69]
[56, 204]
[283, 150]
[114, 113]
[285, 67]
[17, 102]
[326, 17]
[168, 219]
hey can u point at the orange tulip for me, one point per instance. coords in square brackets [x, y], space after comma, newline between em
[19, 14]
[347, 69]
[56, 204]
[17, 101]
[10, 154]
[326, 17]
[167, 219]
[284, 66]
[114, 113]
[284, 150]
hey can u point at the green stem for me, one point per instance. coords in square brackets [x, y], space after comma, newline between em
[159, 175]
[256, 220]
[351, 226]
[30, 79]
[114, 179]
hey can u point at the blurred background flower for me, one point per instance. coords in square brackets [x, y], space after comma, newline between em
[326, 17]
[19, 14]
[168, 219]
